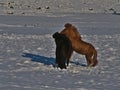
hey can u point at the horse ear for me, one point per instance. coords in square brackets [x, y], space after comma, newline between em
[67, 25]
[55, 34]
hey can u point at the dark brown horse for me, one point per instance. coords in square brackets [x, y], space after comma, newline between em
[63, 50]
[79, 45]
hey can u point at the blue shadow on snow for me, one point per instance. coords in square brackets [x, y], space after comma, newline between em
[40, 59]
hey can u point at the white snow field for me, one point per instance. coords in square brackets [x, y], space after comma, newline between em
[38, 7]
[27, 53]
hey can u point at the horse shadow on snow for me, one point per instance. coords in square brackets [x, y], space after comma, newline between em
[40, 59]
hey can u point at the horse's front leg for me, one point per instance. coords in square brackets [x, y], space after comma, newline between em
[69, 56]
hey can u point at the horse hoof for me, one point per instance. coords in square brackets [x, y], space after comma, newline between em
[55, 65]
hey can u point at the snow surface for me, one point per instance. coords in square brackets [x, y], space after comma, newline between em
[27, 53]
[41, 7]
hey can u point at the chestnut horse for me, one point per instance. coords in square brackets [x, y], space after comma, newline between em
[79, 45]
[63, 49]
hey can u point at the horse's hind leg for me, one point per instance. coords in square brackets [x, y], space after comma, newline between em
[89, 60]
[95, 62]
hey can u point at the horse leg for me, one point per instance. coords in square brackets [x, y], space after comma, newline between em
[89, 60]
[69, 56]
[94, 58]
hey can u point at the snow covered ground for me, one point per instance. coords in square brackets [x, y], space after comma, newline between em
[27, 53]
[41, 7]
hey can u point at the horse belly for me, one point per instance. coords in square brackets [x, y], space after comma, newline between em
[80, 48]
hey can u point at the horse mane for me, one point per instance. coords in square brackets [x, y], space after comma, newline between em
[67, 25]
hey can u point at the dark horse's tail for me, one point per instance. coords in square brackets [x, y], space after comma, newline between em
[95, 58]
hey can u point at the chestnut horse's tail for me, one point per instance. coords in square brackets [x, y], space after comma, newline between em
[95, 58]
